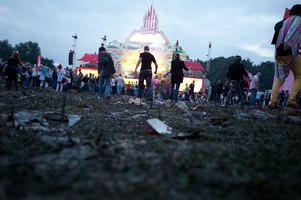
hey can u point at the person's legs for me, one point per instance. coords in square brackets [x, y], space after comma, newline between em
[57, 87]
[149, 83]
[172, 91]
[253, 96]
[118, 89]
[231, 92]
[275, 92]
[240, 95]
[101, 86]
[176, 92]
[108, 85]
[15, 79]
[142, 76]
[296, 69]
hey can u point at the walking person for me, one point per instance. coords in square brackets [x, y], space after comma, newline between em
[79, 79]
[120, 84]
[146, 59]
[106, 70]
[288, 58]
[191, 91]
[235, 75]
[60, 78]
[113, 85]
[254, 87]
[45, 76]
[177, 75]
[34, 76]
[11, 71]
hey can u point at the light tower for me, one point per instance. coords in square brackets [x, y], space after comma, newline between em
[208, 58]
[104, 39]
[74, 51]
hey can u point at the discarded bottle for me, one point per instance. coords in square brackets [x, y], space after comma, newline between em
[158, 103]
[157, 127]
[181, 106]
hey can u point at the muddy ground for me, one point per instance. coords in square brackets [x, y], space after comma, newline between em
[102, 150]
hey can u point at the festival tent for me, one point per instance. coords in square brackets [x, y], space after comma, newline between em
[290, 79]
[88, 57]
[194, 65]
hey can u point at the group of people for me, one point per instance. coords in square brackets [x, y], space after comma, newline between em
[238, 85]
[287, 41]
[20, 74]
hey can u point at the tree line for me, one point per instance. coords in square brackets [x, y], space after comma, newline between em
[219, 67]
[29, 52]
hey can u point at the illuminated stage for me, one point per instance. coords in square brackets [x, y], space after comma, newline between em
[126, 54]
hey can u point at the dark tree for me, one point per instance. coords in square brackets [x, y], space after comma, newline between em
[29, 51]
[6, 49]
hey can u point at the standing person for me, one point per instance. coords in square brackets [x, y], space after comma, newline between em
[244, 85]
[226, 89]
[34, 76]
[11, 70]
[254, 86]
[60, 78]
[287, 57]
[120, 84]
[177, 75]
[106, 70]
[79, 79]
[220, 86]
[235, 75]
[146, 59]
[191, 91]
[54, 78]
[92, 83]
[186, 92]
[113, 84]
[45, 76]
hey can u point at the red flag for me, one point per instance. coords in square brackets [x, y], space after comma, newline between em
[286, 13]
[39, 60]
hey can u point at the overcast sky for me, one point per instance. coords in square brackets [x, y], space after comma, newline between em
[243, 27]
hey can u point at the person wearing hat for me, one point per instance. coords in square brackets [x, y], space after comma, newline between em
[288, 57]
[235, 75]
[146, 59]
[106, 70]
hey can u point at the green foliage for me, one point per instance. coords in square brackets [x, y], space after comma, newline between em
[29, 51]
[6, 49]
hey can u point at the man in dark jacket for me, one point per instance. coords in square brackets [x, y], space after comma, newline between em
[235, 75]
[106, 70]
[177, 76]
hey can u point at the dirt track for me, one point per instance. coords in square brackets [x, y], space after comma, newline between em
[107, 154]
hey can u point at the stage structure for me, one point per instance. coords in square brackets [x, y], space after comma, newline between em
[126, 54]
